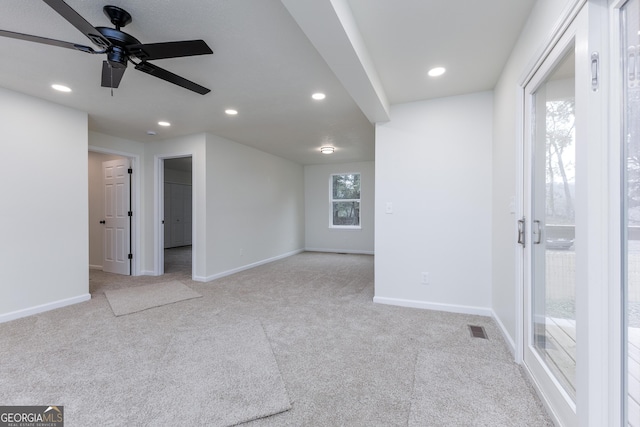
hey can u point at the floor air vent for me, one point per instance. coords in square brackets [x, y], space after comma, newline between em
[477, 332]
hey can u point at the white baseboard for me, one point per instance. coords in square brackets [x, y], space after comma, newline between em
[148, 273]
[6, 317]
[505, 334]
[95, 267]
[340, 251]
[462, 309]
[246, 267]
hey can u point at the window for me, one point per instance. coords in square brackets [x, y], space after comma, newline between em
[345, 200]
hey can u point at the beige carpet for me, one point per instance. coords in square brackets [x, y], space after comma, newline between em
[131, 300]
[177, 365]
[302, 330]
[487, 392]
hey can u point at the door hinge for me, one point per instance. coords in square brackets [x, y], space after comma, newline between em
[130, 213]
[595, 71]
[130, 170]
[130, 256]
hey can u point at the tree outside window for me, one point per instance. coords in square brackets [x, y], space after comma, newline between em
[560, 162]
[345, 200]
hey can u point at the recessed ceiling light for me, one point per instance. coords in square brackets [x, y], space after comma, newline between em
[437, 71]
[231, 112]
[327, 150]
[164, 123]
[61, 88]
[318, 96]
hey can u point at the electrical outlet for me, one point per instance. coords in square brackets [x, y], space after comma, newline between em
[241, 252]
[425, 278]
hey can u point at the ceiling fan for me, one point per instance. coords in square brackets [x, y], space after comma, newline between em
[121, 47]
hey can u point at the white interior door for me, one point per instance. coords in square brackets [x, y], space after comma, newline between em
[552, 140]
[117, 222]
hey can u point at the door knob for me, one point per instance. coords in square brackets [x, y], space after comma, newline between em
[103, 222]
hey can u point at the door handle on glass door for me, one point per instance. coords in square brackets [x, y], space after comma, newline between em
[537, 231]
[521, 228]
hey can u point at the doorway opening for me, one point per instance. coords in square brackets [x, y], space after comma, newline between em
[176, 213]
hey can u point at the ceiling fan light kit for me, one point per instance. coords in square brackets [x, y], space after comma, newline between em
[121, 47]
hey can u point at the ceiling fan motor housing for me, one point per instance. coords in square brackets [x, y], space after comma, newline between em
[117, 54]
[117, 57]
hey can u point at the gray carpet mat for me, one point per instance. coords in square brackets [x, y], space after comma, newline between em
[134, 299]
[222, 376]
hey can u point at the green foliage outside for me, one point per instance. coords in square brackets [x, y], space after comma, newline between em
[346, 199]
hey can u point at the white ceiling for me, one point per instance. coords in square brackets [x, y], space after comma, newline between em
[269, 57]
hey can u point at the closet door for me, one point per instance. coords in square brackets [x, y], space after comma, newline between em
[177, 215]
[188, 201]
[167, 215]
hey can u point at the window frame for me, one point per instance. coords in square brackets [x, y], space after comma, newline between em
[332, 201]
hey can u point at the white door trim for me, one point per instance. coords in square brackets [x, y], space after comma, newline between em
[136, 190]
[615, 203]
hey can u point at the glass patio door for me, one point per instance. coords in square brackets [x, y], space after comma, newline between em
[630, 44]
[551, 140]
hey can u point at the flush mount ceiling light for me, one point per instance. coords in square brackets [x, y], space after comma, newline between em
[318, 96]
[61, 88]
[437, 71]
[164, 124]
[231, 112]
[327, 150]
[151, 133]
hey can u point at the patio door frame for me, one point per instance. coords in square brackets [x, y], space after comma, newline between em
[598, 170]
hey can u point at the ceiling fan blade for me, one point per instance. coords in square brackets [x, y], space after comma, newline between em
[44, 40]
[169, 50]
[168, 76]
[111, 76]
[79, 22]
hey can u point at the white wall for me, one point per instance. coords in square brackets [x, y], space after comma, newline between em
[255, 206]
[248, 205]
[433, 163]
[44, 255]
[542, 20]
[96, 207]
[115, 145]
[195, 146]
[318, 235]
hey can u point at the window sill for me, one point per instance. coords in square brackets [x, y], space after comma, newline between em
[345, 227]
